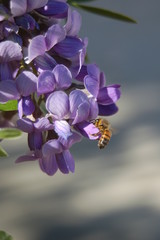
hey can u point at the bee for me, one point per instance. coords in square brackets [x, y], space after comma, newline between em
[104, 130]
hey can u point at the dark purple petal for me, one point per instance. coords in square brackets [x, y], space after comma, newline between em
[62, 128]
[87, 130]
[54, 9]
[48, 164]
[83, 72]
[107, 110]
[73, 23]
[62, 163]
[27, 105]
[69, 47]
[63, 76]
[51, 147]
[44, 62]
[109, 95]
[8, 91]
[5, 71]
[58, 104]
[92, 85]
[76, 98]
[18, 7]
[43, 124]
[31, 5]
[25, 125]
[10, 51]
[54, 35]
[37, 46]
[27, 22]
[46, 82]
[26, 83]
[35, 140]
[82, 112]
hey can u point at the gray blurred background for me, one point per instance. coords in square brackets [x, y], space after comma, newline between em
[114, 193]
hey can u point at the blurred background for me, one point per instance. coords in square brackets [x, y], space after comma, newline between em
[114, 193]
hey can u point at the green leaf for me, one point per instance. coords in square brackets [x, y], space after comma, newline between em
[9, 133]
[9, 106]
[5, 236]
[104, 12]
[3, 153]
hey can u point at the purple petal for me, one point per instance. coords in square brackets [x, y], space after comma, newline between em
[51, 147]
[74, 138]
[83, 72]
[20, 108]
[63, 76]
[69, 47]
[54, 9]
[35, 140]
[76, 98]
[92, 85]
[43, 124]
[102, 81]
[65, 162]
[27, 22]
[107, 110]
[88, 130]
[63, 129]
[82, 112]
[18, 7]
[48, 164]
[10, 51]
[46, 82]
[37, 46]
[108, 95]
[93, 71]
[44, 62]
[31, 5]
[5, 71]
[58, 104]
[25, 125]
[27, 105]
[8, 91]
[93, 108]
[26, 83]
[54, 35]
[26, 158]
[73, 23]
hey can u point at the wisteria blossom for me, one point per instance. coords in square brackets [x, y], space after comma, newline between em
[43, 68]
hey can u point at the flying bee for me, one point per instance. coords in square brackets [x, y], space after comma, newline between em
[104, 130]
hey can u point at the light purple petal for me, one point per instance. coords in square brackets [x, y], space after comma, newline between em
[55, 34]
[69, 160]
[73, 23]
[63, 76]
[69, 47]
[43, 124]
[31, 5]
[18, 7]
[74, 138]
[20, 108]
[27, 105]
[93, 109]
[108, 95]
[37, 46]
[82, 112]
[26, 83]
[46, 82]
[48, 164]
[25, 125]
[88, 130]
[92, 85]
[93, 71]
[76, 98]
[58, 104]
[51, 147]
[8, 91]
[10, 51]
[107, 110]
[65, 162]
[63, 129]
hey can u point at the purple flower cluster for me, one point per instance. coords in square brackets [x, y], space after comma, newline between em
[42, 66]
